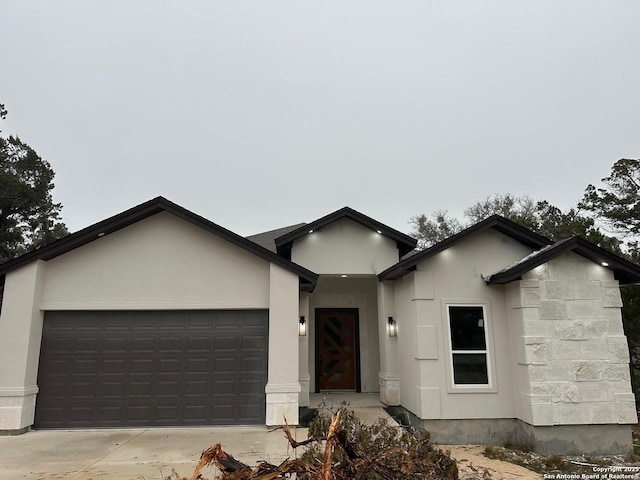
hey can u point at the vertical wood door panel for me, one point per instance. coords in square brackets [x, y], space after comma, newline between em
[336, 360]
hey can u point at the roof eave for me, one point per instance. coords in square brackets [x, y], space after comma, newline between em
[624, 271]
[404, 242]
[87, 235]
[507, 227]
[140, 212]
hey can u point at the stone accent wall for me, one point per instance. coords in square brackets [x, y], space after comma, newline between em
[572, 345]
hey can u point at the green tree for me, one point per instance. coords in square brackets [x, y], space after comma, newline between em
[28, 216]
[617, 204]
[557, 225]
[434, 229]
[521, 210]
[541, 217]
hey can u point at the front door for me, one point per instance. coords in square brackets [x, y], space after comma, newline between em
[337, 349]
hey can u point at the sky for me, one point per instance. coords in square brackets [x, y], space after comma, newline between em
[261, 114]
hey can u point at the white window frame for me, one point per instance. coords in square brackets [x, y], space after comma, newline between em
[470, 387]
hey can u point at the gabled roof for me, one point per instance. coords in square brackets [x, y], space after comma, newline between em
[268, 239]
[87, 235]
[404, 242]
[624, 271]
[496, 222]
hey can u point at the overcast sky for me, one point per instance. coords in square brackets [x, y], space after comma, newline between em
[260, 114]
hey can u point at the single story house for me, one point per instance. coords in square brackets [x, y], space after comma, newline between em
[158, 316]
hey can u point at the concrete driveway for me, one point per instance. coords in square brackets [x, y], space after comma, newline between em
[119, 454]
[151, 453]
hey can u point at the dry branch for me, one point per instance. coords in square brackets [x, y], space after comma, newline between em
[292, 441]
[216, 456]
[352, 450]
[325, 472]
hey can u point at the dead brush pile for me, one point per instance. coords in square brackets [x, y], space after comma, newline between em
[340, 447]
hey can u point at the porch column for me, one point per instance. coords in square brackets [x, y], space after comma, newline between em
[20, 336]
[303, 353]
[388, 378]
[283, 388]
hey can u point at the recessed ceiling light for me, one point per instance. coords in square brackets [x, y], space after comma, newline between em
[101, 234]
[379, 232]
[344, 275]
[604, 264]
[311, 231]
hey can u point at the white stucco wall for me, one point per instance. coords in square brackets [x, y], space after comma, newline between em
[161, 262]
[454, 276]
[345, 247]
[20, 333]
[571, 353]
[388, 378]
[303, 351]
[283, 386]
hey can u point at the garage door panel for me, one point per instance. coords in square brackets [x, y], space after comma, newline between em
[200, 388]
[113, 366]
[85, 344]
[61, 346]
[115, 344]
[141, 365]
[111, 390]
[152, 368]
[142, 345]
[170, 365]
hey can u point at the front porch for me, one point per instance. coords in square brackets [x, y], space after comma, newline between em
[366, 406]
[345, 346]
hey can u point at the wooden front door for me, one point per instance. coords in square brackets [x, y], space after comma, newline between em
[337, 349]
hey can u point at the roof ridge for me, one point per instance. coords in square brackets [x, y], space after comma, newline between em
[292, 226]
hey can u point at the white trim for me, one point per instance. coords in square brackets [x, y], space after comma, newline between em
[282, 388]
[18, 391]
[242, 305]
[453, 387]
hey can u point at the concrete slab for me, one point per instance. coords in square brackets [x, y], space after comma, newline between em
[353, 399]
[133, 453]
[367, 406]
[152, 453]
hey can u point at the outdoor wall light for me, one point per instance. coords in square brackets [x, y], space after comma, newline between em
[392, 327]
[302, 328]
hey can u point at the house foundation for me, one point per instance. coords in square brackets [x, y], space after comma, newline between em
[557, 439]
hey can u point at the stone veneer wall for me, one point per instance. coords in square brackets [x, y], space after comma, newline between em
[572, 354]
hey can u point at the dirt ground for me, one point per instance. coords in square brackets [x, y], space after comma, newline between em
[472, 464]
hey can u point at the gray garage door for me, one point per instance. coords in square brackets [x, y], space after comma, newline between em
[108, 369]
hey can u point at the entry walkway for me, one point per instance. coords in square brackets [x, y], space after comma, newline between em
[367, 406]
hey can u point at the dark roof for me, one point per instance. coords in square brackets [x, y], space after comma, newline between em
[159, 204]
[624, 271]
[268, 239]
[404, 242]
[496, 222]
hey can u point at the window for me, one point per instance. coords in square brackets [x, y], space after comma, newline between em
[469, 355]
